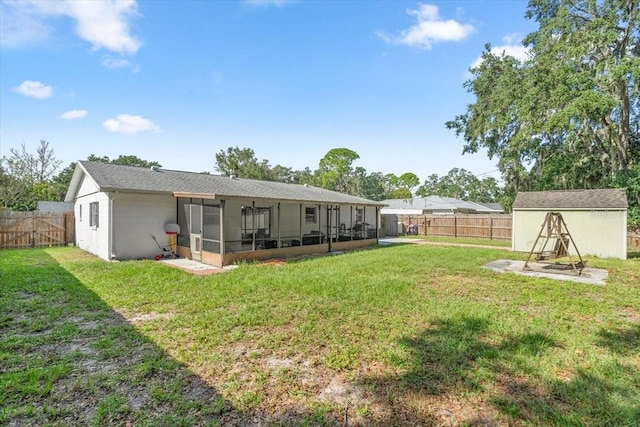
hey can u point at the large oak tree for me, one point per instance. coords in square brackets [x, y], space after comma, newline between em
[569, 115]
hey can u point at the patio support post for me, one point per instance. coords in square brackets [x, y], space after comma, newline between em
[329, 215]
[351, 223]
[253, 225]
[300, 225]
[222, 245]
[377, 223]
[364, 222]
[278, 222]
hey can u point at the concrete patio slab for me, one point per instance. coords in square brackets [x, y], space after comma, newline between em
[391, 240]
[593, 276]
[192, 266]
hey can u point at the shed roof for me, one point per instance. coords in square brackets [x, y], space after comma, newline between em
[608, 198]
[112, 177]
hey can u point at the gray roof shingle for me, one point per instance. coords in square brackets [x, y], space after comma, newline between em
[111, 177]
[609, 198]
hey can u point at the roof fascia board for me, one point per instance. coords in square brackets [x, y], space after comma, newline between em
[76, 180]
[126, 190]
[268, 199]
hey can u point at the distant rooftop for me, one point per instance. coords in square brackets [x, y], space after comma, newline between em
[55, 207]
[436, 204]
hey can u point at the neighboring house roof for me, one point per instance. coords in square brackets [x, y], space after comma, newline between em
[610, 198]
[494, 207]
[421, 205]
[112, 177]
[55, 206]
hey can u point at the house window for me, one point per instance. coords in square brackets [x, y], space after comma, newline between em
[359, 215]
[80, 213]
[310, 215]
[94, 214]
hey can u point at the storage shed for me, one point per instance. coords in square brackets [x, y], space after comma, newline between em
[596, 219]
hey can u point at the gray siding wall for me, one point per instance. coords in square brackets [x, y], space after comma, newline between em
[138, 217]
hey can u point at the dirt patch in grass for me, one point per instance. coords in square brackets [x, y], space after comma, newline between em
[630, 314]
[145, 317]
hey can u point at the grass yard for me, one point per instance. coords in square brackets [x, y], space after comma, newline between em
[462, 240]
[397, 335]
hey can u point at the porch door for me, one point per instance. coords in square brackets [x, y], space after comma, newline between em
[195, 220]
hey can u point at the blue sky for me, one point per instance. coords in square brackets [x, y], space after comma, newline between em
[178, 81]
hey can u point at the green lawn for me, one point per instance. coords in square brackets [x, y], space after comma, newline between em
[397, 335]
[462, 240]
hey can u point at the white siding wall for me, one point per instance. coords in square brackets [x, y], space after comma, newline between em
[290, 220]
[600, 233]
[94, 240]
[138, 217]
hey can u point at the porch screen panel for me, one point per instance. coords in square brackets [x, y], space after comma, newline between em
[211, 228]
[183, 211]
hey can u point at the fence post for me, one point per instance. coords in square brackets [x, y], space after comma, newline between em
[455, 226]
[33, 230]
[490, 228]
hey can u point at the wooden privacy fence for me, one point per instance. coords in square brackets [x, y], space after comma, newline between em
[35, 229]
[476, 226]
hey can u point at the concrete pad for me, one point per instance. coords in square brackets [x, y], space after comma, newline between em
[192, 266]
[391, 240]
[593, 276]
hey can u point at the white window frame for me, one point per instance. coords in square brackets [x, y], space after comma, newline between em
[310, 215]
[94, 214]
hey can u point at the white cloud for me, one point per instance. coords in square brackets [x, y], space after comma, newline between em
[266, 3]
[21, 25]
[430, 28]
[73, 114]
[111, 62]
[34, 89]
[512, 47]
[125, 123]
[104, 24]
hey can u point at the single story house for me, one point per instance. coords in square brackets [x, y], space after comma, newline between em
[595, 219]
[437, 205]
[120, 211]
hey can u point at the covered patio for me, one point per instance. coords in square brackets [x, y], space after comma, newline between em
[223, 230]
